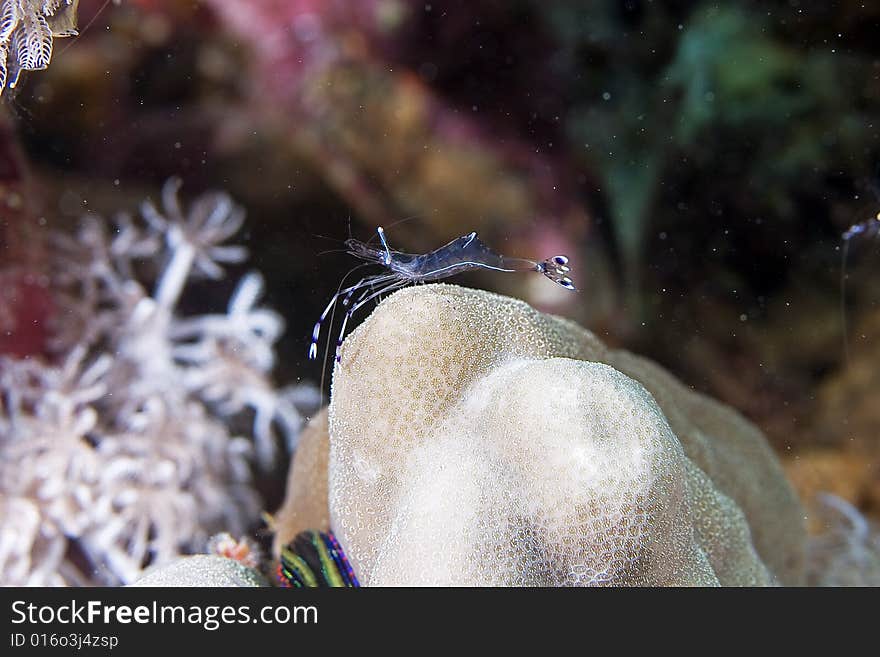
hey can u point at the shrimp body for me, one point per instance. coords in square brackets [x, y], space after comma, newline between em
[461, 254]
[401, 269]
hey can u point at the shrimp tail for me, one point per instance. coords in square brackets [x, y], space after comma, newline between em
[556, 269]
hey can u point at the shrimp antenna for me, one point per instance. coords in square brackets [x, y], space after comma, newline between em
[80, 33]
[397, 223]
[328, 251]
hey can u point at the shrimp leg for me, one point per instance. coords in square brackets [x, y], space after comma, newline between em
[364, 298]
[368, 280]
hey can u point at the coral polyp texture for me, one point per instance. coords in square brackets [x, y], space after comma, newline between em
[476, 441]
[136, 441]
[27, 31]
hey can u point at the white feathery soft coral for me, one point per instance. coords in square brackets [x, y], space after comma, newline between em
[226, 358]
[194, 240]
[123, 453]
[27, 31]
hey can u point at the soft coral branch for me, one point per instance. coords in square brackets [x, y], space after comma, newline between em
[124, 447]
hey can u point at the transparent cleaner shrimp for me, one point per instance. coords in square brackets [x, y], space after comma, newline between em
[462, 254]
[870, 228]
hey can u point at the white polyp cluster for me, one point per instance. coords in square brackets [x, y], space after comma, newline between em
[195, 240]
[126, 448]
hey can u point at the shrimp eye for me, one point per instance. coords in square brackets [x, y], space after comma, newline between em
[560, 260]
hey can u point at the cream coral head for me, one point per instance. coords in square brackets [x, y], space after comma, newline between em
[474, 440]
